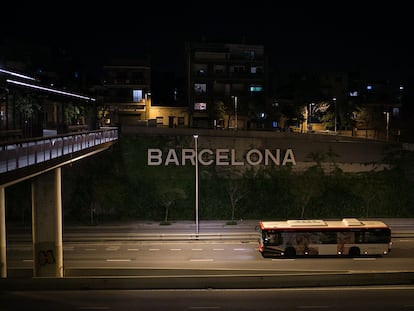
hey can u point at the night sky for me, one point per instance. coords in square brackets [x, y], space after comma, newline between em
[338, 35]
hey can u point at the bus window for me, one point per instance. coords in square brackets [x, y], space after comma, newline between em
[376, 236]
[272, 238]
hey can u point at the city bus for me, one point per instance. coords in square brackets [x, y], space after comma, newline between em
[314, 237]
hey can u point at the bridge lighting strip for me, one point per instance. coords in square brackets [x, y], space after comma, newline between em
[17, 74]
[49, 89]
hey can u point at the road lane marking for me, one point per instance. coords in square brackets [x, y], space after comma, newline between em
[118, 260]
[218, 249]
[154, 249]
[239, 249]
[112, 248]
[27, 260]
[133, 249]
[175, 249]
[196, 249]
[365, 259]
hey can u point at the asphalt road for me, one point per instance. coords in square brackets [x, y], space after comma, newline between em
[148, 255]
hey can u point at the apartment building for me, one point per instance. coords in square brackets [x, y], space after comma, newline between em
[126, 93]
[226, 85]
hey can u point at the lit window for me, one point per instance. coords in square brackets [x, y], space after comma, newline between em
[200, 106]
[395, 112]
[256, 88]
[136, 96]
[200, 88]
[160, 120]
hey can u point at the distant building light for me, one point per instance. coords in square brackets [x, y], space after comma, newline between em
[200, 106]
[353, 94]
[256, 88]
[401, 88]
[369, 87]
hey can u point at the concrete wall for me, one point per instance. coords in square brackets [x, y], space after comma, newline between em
[352, 154]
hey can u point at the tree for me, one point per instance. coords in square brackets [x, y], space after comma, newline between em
[168, 198]
[217, 112]
[236, 190]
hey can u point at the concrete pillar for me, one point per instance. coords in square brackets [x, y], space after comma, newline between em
[47, 225]
[3, 247]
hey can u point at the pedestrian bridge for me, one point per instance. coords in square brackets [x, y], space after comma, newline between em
[40, 160]
[22, 159]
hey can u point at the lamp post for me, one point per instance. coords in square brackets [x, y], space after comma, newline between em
[334, 99]
[235, 112]
[387, 124]
[196, 184]
[310, 117]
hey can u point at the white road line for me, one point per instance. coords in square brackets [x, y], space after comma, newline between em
[112, 248]
[154, 249]
[218, 249]
[196, 249]
[27, 260]
[133, 249]
[239, 249]
[365, 259]
[175, 249]
[118, 260]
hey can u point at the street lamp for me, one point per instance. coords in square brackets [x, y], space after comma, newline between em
[310, 116]
[196, 183]
[387, 124]
[334, 99]
[235, 112]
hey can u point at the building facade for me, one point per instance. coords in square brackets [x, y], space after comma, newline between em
[226, 85]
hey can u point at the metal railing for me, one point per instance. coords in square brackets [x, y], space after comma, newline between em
[25, 152]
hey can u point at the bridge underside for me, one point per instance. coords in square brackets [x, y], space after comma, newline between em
[46, 211]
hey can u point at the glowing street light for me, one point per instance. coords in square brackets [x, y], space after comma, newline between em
[196, 184]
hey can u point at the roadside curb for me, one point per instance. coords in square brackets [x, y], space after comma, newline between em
[211, 282]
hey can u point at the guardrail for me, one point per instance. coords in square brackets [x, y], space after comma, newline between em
[25, 152]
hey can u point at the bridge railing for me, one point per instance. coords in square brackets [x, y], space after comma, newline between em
[25, 152]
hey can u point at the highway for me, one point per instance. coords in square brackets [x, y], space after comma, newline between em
[146, 248]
